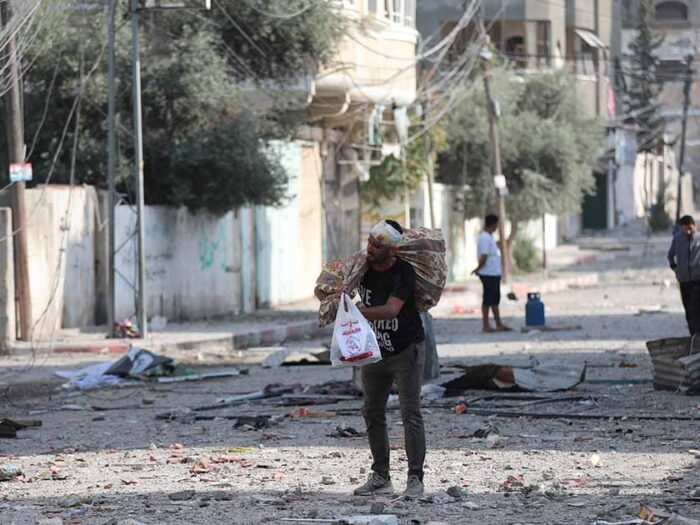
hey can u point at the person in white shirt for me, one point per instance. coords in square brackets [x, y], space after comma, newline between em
[489, 271]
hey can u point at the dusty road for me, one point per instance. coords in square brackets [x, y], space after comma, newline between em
[116, 461]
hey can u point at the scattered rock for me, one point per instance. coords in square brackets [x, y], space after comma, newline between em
[470, 505]
[8, 471]
[457, 492]
[327, 480]
[183, 495]
[494, 441]
[377, 507]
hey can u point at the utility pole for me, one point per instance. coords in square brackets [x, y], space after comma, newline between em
[16, 149]
[111, 166]
[498, 177]
[430, 167]
[138, 169]
[686, 103]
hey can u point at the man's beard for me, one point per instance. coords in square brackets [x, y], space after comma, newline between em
[377, 259]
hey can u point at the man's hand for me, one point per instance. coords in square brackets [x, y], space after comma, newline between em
[674, 267]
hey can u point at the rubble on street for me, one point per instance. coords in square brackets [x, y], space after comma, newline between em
[287, 444]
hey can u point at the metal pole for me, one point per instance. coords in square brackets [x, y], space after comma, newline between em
[686, 102]
[496, 148]
[15, 139]
[431, 169]
[138, 167]
[111, 168]
[544, 242]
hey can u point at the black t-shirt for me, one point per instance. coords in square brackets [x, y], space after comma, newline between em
[393, 335]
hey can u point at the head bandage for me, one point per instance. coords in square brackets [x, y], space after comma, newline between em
[385, 234]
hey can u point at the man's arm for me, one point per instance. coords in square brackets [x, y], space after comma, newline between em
[672, 255]
[482, 263]
[385, 312]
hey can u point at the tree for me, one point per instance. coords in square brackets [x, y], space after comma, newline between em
[391, 178]
[645, 84]
[548, 148]
[193, 106]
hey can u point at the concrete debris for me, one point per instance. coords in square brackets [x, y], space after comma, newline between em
[377, 507]
[255, 422]
[183, 495]
[457, 492]
[653, 309]
[494, 441]
[8, 471]
[484, 432]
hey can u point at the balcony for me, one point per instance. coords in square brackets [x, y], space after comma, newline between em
[376, 62]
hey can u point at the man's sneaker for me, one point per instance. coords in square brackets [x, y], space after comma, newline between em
[376, 484]
[414, 488]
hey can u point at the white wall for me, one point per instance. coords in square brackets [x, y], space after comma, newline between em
[289, 239]
[61, 246]
[192, 262]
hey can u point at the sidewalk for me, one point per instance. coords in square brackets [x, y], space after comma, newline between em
[263, 328]
[266, 328]
[569, 266]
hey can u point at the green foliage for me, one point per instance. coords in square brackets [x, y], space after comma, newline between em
[190, 93]
[645, 84]
[195, 179]
[525, 254]
[548, 148]
[278, 46]
[389, 179]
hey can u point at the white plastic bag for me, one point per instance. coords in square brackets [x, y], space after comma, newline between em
[354, 342]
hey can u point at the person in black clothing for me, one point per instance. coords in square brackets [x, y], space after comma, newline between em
[684, 260]
[387, 291]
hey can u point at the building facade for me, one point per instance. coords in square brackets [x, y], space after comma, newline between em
[532, 35]
[373, 74]
[679, 23]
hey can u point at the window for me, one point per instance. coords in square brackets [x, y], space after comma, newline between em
[516, 51]
[544, 51]
[672, 12]
[372, 6]
[401, 11]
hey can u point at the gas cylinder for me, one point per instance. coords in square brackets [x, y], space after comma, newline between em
[534, 310]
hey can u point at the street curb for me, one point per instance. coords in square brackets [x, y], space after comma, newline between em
[235, 341]
[601, 257]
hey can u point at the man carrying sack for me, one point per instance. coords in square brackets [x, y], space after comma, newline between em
[394, 280]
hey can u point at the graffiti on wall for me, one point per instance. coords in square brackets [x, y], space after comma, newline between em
[209, 247]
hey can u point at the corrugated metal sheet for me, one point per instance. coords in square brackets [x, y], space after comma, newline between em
[676, 364]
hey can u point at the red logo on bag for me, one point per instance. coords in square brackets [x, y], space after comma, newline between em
[351, 330]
